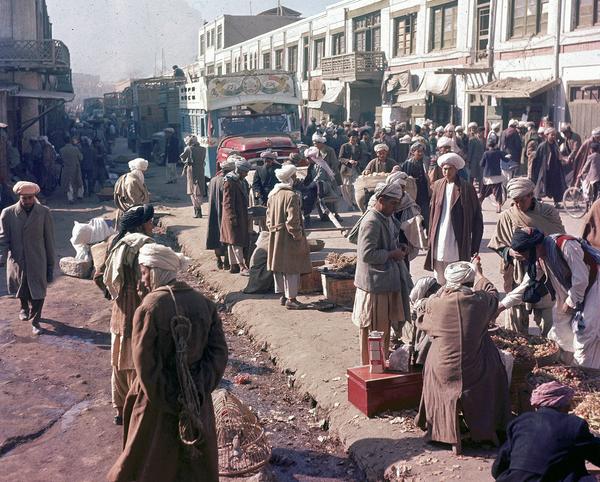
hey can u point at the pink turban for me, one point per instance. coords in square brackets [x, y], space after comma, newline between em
[26, 188]
[553, 395]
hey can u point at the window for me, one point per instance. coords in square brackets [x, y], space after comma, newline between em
[405, 29]
[443, 26]
[528, 17]
[338, 43]
[279, 59]
[209, 38]
[210, 70]
[483, 24]
[319, 52]
[293, 58]
[228, 68]
[245, 61]
[590, 93]
[586, 13]
[220, 70]
[267, 60]
[219, 36]
[202, 44]
[305, 58]
[367, 32]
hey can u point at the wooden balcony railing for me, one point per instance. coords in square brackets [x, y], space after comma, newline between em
[49, 55]
[354, 66]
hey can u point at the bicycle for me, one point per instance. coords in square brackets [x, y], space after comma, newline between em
[576, 200]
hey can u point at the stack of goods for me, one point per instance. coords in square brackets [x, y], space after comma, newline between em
[339, 265]
[527, 349]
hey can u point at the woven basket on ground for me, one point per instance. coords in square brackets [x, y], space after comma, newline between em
[242, 442]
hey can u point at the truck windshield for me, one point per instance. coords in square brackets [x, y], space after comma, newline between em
[253, 124]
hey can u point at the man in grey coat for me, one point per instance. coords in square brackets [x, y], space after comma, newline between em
[27, 247]
[380, 272]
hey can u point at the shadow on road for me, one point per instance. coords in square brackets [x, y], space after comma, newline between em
[100, 338]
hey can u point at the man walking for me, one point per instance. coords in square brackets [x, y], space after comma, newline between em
[171, 154]
[547, 174]
[70, 178]
[350, 158]
[193, 168]
[27, 247]
[130, 188]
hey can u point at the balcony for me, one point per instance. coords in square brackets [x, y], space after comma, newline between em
[50, 56]
[354, 66]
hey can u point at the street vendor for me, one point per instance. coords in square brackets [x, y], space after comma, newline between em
[464, 375]
[525, 212]
[382, 163]
[567, 442]
[572, 268]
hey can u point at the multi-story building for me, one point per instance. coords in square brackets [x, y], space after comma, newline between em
[458, 60]
[35, 70]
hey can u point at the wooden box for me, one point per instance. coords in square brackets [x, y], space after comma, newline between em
[338, 291]
[373, 393]
[311, 282]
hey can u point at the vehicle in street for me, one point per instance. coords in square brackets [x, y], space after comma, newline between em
[256, 104]
[250, 147]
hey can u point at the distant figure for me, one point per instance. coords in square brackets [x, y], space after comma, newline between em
[70, 179]
[171, 154]
[130, 188]
[178, 72]
[193, 168]
[215, 214]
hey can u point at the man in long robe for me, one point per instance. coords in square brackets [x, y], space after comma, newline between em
[264, 177]
[329, 155]
[547, 173]
[463, 373]
[120, 279]
[153, 447]
[415, 168]
[573, 273]
[382, 163]
[350, 158]
[130, 188]
[525, 212]
[380, 271]
[288, 252]
[456, 221]
[193, 158]
[71, 181]
[215, 214]
[583, 153]
[27, 248]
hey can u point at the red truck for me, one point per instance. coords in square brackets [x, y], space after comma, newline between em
[251, 145]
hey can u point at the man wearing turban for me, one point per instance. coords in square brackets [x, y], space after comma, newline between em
[264, 177]
[179, 353]
[288, 255]
[525, 212]
[464, 375]
[383, 163]
[327, 153]
[455, 219]
[547, 170]
[119, 278]
[381, 275]
[583, 152]
[414, 166]
[350, 158]
[548, 444]
[27, 249]
[130, 188]
[235, 230]
[193, 157]
[71, 181]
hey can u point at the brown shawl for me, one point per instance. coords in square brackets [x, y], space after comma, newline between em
[591, 228]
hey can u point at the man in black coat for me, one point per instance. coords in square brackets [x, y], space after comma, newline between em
[548, 444]
[264, 177]
[172, 152]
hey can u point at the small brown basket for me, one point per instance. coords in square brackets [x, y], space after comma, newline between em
[242, 442]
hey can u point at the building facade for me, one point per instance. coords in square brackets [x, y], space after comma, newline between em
[450, 61]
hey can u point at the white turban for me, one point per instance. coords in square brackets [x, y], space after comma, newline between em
[439, 130]
[399, 177]
[138, 164]
[459, 273]
[596, 132]
[319, 138]
[242, 164]
[164, 262]
[452, 159]
[286, 173]
[459, 128]
[406, 139]
[381, 147]
[26, 188]
[513, 123]
[519, 186]
[392, 190]
[228, 165]
[444, 142]
[495, 126]
[449, 127]
[268, 154]
[422, 286]
[472, 125]
[549, 130]
[541, 130]
[312, 152]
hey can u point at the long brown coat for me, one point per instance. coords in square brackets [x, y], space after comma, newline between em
[27, 246]
[288, 250]
[71, 171]
[467, 219]
[463, 370]
[193, 159]
[234, 220]
[152, 448]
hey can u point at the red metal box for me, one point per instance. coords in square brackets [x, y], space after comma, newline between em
[373, 393]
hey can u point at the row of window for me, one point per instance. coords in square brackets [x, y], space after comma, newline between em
[207, 39]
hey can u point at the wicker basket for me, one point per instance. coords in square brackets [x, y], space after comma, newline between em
[242, 443]
[551, 359]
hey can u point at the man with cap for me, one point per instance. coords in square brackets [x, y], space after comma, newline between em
[350, 158]
[327, 153]
[583, 153]
[380, 270]
[455, 219]
[193, 158]
[450, 134]
[525, 212]
[234, 220]
[494, 133]
[27, 249]
[414, 167]
[172, 151]
[288, 255]
[119, 279]
[382, 163]
[264, 177]
[571, 267]
[510, 141]
[461, 138]
[548, 444]
[464, 376]
[179, 354]
[215, 213]
[71, 181]
[130, 188]
[547, 173]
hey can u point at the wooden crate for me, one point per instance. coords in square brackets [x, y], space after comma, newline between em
[338, 291]
[311, 282]
[373, 393]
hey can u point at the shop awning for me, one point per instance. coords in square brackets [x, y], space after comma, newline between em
[515, 88]
[45, 94]
[439, 85]
[330, 101]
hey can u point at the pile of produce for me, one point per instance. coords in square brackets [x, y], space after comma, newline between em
[589, 409]
[340, 263]
[524, 347]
